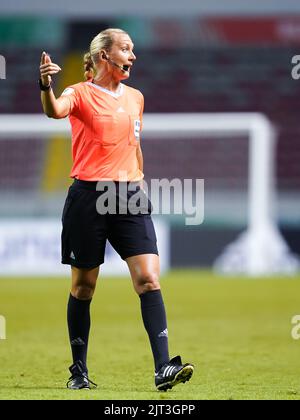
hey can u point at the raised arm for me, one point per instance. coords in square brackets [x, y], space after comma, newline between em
[53, 108]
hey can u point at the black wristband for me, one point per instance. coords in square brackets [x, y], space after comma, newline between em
[43, 87]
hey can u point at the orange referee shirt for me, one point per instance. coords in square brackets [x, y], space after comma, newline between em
[105, 132]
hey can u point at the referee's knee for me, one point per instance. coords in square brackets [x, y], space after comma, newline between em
[83, 292]
[146, 283]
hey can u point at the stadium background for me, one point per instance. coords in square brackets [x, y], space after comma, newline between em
[207, 57]
[187, 63]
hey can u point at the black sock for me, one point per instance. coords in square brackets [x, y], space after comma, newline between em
[79, 327]
[154, 317]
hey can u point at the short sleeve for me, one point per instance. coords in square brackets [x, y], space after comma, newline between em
[72, 95]
[141, 111]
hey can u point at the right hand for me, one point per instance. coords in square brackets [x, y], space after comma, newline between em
[47, 68]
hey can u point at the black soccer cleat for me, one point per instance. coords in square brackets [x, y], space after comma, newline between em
[173, 373]
[79, 378]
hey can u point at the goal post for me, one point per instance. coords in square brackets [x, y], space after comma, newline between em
[261, 249]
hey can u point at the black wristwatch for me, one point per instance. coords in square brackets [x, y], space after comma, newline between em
[43, 87]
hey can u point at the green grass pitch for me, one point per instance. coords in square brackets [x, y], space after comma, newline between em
[237, 332]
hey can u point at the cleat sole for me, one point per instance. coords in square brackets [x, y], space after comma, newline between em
[182, 376]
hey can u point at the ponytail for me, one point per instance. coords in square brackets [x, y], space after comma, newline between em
[88, 66]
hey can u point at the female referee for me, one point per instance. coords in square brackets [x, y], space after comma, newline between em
[106, 120]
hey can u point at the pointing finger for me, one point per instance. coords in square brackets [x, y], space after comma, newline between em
[48, 59]
[43, 57]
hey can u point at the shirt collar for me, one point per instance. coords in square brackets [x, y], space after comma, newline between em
[109, 92]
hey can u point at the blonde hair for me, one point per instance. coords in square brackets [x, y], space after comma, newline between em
[104, 40]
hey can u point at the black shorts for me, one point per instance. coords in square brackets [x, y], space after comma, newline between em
[85, 231]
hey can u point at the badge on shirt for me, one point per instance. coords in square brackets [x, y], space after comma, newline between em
[137, 128]
[68, 91]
